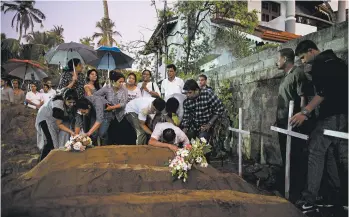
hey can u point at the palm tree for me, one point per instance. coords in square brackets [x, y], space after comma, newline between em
[87, 41]
[57, 34]
[3, 36]
[106, 33]
[10, 48]
[25, 15]
[40, 38]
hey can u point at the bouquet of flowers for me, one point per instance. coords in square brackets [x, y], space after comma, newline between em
[78, 143]
[191, 154]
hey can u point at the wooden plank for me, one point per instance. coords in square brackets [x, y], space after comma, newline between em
[337, 134]
[239, 131]
[291, 133]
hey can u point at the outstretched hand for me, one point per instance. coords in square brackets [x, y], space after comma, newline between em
[298, 119]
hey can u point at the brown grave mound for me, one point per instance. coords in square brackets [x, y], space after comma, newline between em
[132, 181]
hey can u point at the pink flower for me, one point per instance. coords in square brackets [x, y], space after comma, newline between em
[188, 146]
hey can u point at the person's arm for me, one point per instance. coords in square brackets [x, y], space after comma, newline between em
[73, 81]
[321, 85]
[301, 83]
[186, 116]
[156, 92]
[28, 99]
[156, 143]
[217, 107]
[99, 116]
[64, 128]
[87, 90]
[163, 87]
[145, 127]
[11, 95]
[78, 123]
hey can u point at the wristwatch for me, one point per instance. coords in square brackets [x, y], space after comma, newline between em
[305, 112]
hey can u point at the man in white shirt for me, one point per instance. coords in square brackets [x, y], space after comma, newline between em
[34, 98]
[167, 135]
[172, 84]
[137, 111]
[50, 90]
[46, 95]
[148, 88]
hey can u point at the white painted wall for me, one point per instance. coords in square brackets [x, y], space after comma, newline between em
[224, 59]
[304, 29]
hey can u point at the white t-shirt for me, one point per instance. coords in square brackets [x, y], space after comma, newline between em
[180, 97]
[133, 94]
[140, 106]
[171, 87]
[46, 96]
[150, 88]
[180, 135]
[34, 98]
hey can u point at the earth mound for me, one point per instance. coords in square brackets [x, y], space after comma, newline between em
[132, 181]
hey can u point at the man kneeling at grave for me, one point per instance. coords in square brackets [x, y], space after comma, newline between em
[137, 111]
[167, 135]
[201, 110]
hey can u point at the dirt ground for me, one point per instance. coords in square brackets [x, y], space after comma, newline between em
[132, 181]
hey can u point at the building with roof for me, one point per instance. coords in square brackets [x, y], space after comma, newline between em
[279, 22]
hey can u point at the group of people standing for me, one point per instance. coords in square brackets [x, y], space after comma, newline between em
[126, 112]
[11, 93]
[319, 89]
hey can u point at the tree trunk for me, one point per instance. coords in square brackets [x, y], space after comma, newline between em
[20, 34]
[105, 6]
[106, 17]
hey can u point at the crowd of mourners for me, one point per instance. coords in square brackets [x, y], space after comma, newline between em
[122, 111]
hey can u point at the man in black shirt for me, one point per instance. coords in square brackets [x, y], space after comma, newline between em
[330, 77]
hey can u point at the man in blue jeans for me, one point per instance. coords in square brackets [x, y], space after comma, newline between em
[201, 110]
[330, 78]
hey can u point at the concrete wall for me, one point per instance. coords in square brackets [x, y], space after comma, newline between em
[255, 81]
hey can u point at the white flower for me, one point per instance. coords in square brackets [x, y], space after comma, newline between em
[195, 145]
[192, 141]
[178, 167]
[77, 146]
[68, 144]
[203, 140]
[203, 164]
[184, 180]
[189, 166]
[198, 159]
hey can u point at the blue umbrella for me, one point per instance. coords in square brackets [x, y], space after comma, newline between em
[111, 58]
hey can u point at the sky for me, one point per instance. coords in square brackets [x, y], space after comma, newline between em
[78, 18]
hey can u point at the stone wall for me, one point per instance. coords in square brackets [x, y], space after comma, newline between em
[254, 82]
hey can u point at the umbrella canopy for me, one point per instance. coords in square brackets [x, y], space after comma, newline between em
[61, 54]
[112, 58]
[25, 69]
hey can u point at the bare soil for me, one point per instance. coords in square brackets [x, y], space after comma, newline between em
[132, 181]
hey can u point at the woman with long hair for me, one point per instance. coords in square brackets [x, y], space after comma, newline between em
[18, 94]
[92, 82]
[131, 85]
[54, 119]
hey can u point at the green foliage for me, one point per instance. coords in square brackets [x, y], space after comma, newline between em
[234, 40]
[225, 94]
[265, 47]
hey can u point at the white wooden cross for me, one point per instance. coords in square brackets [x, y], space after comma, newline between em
[240, 131]
[289, 134]
[337, 134]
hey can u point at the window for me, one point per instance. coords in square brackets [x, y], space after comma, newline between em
[270, 10]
